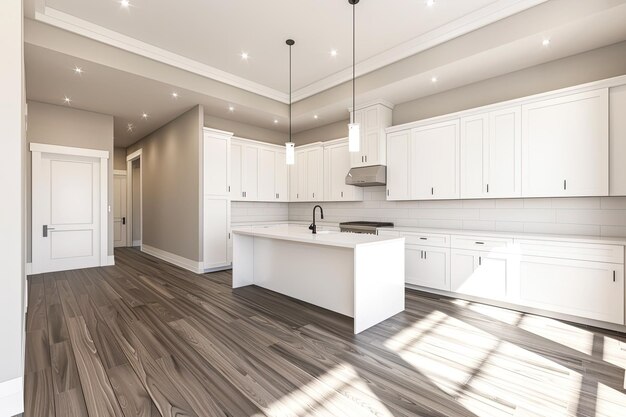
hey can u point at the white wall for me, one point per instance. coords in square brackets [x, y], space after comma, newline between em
[12, 251]
[593, 216]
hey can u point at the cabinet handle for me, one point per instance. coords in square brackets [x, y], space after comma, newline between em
[423, 238]
[480, 260]
[297, 195]
[613, 276]
[362, 159]
[565, 184]
[342, 194]
[432, 191]
[422, 254]
[425, 255]
[229, 188]
[487, 187]
[229, 235]
[313, 195]
[365, 158]
[479, 243]
[387, 192]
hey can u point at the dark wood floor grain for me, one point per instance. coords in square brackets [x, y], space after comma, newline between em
[145, 338]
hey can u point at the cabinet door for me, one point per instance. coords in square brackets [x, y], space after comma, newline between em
[314, 175]
[474, 156]
[565, 146]
[250, 173]
[398, 168]
[504, 174]
[216, 166]
[617, 108]
[301, 174]
[216, 232]
[479, 274]
[358, 158]
[428, 267]
[435, 161]
[236, 171]
[281, 177]
[267, 175]
[337, 169]
[594, 290]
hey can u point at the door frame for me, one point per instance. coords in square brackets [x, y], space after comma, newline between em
[36, 150]
[121, 173]
[129, 196]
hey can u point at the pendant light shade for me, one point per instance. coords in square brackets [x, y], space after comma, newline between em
[354, 129]
[290, 147]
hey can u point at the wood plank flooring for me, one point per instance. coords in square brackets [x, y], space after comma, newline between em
[145, 338]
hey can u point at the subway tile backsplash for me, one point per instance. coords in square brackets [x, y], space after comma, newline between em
[593, 216]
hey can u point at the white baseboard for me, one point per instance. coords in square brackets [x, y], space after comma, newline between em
[218, 268]
[110, 261]
[12, 397]
[136, 243]
[188, 264]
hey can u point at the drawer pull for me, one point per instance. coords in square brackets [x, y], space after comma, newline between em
[423, 238]
[479, 243]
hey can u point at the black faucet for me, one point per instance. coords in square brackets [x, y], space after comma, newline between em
[313, 226]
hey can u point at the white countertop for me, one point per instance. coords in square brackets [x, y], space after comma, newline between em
[301, 234]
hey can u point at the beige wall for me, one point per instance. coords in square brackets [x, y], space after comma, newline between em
[65, 126]
[244, 130]
[119, 159]
[327, 132]
[589, 66]
[171, 165]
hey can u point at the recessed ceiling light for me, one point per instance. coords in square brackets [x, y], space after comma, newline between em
[78, 70]
[231, 108]
[130, 127]
[315, 116]
[125, 3]
[333, 52]
[145, 116]
[244, 56]
[433, 80]
[275, 121]
[430, 3]
[175, 94]
[67, 100]
[546, 42]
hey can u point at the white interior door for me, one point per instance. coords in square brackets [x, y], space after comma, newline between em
[66, 212]
[119, 210]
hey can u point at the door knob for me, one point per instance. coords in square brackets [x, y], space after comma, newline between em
[123, 220]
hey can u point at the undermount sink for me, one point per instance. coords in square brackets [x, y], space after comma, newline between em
[325, 232]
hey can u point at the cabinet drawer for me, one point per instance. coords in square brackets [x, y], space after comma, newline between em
[572, 250]
[480, 243]
[427, 239]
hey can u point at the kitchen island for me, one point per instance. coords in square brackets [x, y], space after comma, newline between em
[357, 275]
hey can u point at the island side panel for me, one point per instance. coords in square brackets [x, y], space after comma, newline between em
[243, 260]
[378, 282]
[318, 274]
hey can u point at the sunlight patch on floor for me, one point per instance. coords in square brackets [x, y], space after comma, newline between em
[501, 314]
[610, 403]
[614, 352]
[559, 332]
[410, 334]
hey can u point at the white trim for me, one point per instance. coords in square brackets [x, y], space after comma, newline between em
[36, 150]
[12, 397]
[119, 172]
[258, 143]
[188, 264]
[136, 243]
[492, 13]
[29, 268]
[129, 193]
[371, 103]
[134, 155]
[68, 150]
[110, 260]
[218, 133]
[87, 29]
[581, 88]
[218, 268]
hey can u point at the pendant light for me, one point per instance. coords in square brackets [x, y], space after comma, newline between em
[290, 147]
[354, 129]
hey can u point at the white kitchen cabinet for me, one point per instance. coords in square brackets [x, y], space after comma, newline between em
[336, 167]
[307, 174]
[398, 165]
[266, 175]
[236, 170]
[617, 163]
[435, 161]
[216, 199]
[281, 177]
[259, 171]
[244, 170]
[491, 154]
[477, 273]
[428, 266]
[373, 120]
[565, 146]
[593, 290]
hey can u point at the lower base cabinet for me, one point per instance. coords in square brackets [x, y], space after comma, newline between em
[480, 274]
[588, 289]
[428, 267]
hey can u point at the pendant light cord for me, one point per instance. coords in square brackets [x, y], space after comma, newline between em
[353, 60]
[289, 93]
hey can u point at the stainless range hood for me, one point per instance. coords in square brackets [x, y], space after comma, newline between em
[370, 176]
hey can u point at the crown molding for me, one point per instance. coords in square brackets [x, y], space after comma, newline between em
[470, 22]
[98, 33]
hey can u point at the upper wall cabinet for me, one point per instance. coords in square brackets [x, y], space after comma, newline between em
[491, 154]
[373, 120]
[259, 172]
[336, 167]
[307, 174]
[398, 165]
[617, 129]
[435, 161]
[565, 146]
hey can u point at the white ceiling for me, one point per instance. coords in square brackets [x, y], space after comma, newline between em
[208, 36]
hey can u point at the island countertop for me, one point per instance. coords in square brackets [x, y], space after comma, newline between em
[303, 235]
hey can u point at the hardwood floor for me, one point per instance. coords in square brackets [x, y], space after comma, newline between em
[145, 338]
